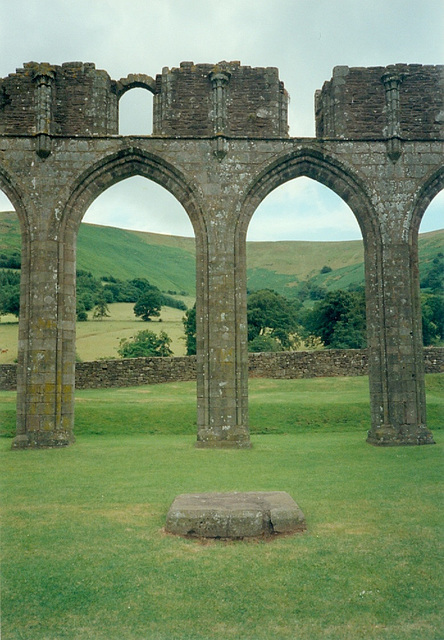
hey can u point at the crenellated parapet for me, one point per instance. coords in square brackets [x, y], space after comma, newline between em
[72, 99]
[401, 100]
[191, 100]
[223, 99]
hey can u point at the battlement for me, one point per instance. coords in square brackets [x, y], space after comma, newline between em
[227, 98]
[72, 99]
[405, 101]
[192, 100]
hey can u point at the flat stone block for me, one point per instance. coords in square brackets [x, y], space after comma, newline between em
[234, 515]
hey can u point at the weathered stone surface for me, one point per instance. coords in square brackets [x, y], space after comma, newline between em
[234, 515]
[220, 146]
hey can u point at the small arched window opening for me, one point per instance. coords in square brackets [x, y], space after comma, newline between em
[136, 112]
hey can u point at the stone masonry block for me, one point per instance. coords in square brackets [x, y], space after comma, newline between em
[235, 515]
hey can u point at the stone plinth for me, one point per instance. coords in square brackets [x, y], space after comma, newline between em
[234, 515]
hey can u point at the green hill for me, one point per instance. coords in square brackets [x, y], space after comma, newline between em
[169, 261]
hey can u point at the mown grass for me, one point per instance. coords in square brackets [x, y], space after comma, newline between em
[85, 555]
[275, 406]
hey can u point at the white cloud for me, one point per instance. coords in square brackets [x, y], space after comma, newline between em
[303, 210]
[138, 203]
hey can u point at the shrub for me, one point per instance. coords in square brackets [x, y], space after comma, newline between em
[145, 344]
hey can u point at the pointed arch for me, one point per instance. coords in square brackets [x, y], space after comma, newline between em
[126, 163]
[14, 193]
[321, 167]
[430, 188]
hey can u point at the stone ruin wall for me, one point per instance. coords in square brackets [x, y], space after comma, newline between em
[76, 99]
[356, 103]
[220, 145]
[132, 372]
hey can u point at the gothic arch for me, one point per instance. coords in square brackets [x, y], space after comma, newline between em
[322, 168]
[330, 172]
[14, 193]
[430, 188]
[126, 163]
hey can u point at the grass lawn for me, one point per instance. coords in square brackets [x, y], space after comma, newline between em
[85, 555]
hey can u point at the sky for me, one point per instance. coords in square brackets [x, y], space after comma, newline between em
[305, 39]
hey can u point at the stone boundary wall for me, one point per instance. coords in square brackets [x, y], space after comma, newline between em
[290, 364]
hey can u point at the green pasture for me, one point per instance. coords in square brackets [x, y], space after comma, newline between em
[98, 339]
[85, 557]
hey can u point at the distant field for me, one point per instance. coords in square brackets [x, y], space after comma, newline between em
[100, 338]
[169, 263]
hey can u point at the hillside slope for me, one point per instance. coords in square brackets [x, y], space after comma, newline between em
[169, 261]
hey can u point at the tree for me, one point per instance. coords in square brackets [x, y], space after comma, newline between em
[9, 292]
[149, 304]
[339, 320]
[189, 323]
[272, 323]
[10, 302]
[264, 343]
[145, 344]
[269, 313]
[326, 269]
[81, 314]
[432, 318]
[434, 278]
[101, 310]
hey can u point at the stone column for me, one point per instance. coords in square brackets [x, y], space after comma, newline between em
[222, 384]
[392, 80]
[46, 354]
[396, 367]
[44, 76]
[219, 80]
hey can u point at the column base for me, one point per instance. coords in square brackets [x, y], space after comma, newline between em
[42, 441]
[405, 435]
[223, 438]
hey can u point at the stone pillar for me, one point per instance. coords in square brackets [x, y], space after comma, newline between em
[392, 81]
[44, 78]
[222, 378]
[396, 367]
[219, 79]
[46, 354]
